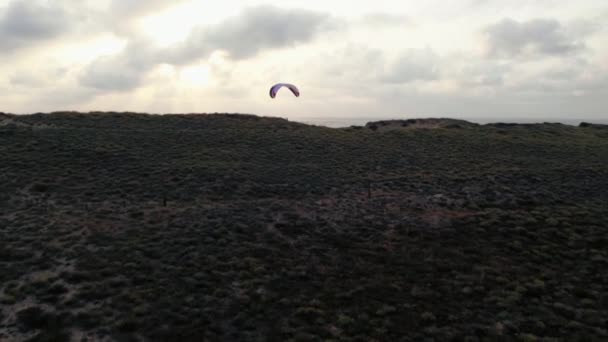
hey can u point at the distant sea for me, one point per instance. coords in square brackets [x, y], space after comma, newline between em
[360, 121]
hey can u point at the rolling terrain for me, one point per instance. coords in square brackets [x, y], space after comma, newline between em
[231, 227]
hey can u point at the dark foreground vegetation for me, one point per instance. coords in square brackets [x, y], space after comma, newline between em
[239, 228]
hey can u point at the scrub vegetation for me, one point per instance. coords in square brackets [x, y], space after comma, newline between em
[229, 227]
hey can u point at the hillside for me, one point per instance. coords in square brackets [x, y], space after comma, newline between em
[231, 227]
[384, 125]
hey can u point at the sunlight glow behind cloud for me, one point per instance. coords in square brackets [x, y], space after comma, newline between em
[356, 58]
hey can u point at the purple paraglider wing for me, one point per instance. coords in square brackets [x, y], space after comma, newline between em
[275, 88]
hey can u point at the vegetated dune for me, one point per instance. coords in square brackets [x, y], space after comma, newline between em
[384, 125]
[230, 227]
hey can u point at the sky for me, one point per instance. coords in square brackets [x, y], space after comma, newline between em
[508, 60]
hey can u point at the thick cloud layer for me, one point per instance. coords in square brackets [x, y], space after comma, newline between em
[124, 71]
[260, 28]
[415, 58]
[26, 22]
[255, 30]
[509, 38]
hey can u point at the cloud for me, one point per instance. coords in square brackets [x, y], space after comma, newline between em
[24, 23]
[62, 98]
[255, 30]
[351, 61]
[109, 73]
[37, 77]
[481, 73]
[136, 8]
[574, 77]
[121, 14]
[412, 65]
[124, 71]
[27, 22]
[357, 66]
[511, 39]
[380, 19]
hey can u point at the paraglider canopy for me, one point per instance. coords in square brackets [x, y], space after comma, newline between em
[275, 88]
